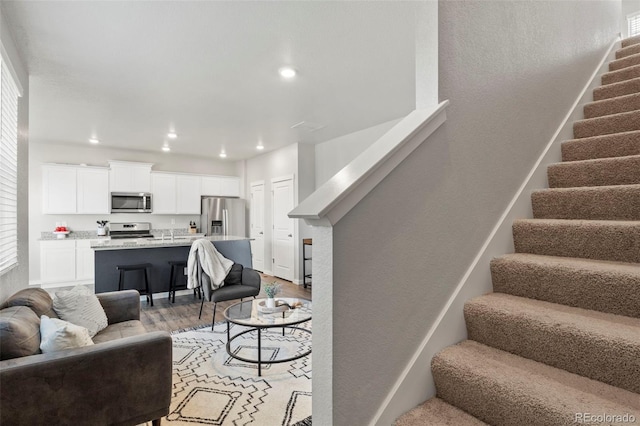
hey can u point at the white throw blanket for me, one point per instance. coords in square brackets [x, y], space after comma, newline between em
[215, 265]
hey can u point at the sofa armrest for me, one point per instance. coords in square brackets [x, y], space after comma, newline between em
[124, 381]
[251, 278]
[120, 305]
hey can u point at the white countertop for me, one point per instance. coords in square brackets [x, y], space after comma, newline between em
[178, 241]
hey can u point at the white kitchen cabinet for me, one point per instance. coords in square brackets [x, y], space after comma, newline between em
[163, 190]
[92, 190]
[85, 264]
[127, 176]
[229, 186]
[188, 194]
[220, 186]
[57, 261]
[58, 189]
[69, 189]
[66, 262]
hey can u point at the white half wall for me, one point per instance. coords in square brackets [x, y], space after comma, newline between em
[511, 71]
[18, 277]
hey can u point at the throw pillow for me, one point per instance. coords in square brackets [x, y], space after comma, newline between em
[81, 307]
[35, 298]
[19, 332]
[58, 335]
[234, 276]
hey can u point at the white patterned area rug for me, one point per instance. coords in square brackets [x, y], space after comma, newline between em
[212, 388]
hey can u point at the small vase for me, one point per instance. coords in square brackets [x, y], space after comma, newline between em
[271, 302]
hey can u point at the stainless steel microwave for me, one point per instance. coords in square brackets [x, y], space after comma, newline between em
[131, 202]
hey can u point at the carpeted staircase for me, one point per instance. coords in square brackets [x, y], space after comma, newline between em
[560, 335]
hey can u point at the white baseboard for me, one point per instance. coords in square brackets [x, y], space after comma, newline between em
[415, 384]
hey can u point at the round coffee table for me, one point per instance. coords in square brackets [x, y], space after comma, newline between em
[255, 315]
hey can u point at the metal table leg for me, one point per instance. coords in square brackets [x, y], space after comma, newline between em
[259, 352]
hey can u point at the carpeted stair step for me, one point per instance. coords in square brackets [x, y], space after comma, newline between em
[597, 172]
[621, 75]
[627, 51]
[629, 61]
[604, 286]
[616, 89]
[437, 412]
[630, 41]
[618, 241]
[612, 106]
[593, 344]
[609, 124]
[605, 146]
[503, 389]
[619, 202]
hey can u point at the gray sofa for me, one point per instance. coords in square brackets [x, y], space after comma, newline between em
[124, 379]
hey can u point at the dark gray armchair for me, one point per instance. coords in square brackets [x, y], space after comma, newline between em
[241, 282]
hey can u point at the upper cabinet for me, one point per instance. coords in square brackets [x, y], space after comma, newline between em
[127, 176]
[220, 186]
[188, 194]
[163, 190]
[74, 189]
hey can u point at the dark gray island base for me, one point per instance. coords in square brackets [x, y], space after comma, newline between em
[106, 274]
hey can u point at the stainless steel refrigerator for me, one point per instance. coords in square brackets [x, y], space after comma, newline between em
[223, 216]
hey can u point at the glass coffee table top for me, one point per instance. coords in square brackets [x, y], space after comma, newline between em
[254, 313]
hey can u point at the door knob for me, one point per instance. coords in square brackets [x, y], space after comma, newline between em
[261, 233]
[290, 235]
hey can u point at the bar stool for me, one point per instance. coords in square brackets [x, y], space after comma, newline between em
[137, 267]
[176, 267]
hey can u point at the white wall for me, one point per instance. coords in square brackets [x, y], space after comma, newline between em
[628, 7]
[18, 277]
[296, 160]
[331, 156]
[511, 71]
[92, 155]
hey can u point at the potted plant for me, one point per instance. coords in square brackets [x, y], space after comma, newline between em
[271, 289]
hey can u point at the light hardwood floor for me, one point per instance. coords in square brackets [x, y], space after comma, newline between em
[183, 314]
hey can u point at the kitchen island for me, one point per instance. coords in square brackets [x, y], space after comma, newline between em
[158, 252]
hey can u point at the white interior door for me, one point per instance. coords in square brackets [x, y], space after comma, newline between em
[283, 228]
[256, 232]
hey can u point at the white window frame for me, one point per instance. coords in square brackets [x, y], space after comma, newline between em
[633, 24]
[10, 91]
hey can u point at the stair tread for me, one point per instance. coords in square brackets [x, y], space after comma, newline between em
[619, 88]
[601, 146]
[625, 62]
[580, 222]
[630, 41]
[612, 202]
[594, 323]
[435, 411]
[620, 75]
[605, 160]
[576, 263]
[627, 51]
[609, 124]
[529, 385]
[601, 285]
[595, 172]
[612, 106]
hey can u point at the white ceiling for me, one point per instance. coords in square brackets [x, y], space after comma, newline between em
[127, 72]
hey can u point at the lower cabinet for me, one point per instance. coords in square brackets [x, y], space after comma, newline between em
[66, 262]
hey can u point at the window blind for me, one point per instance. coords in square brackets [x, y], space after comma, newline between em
[634, 24]
[8, 170]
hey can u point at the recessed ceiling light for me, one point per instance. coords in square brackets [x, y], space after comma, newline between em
[287, 72]
[166, 149]
[94, 140]
[172, 135]
[223, 154]
[260, 147]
